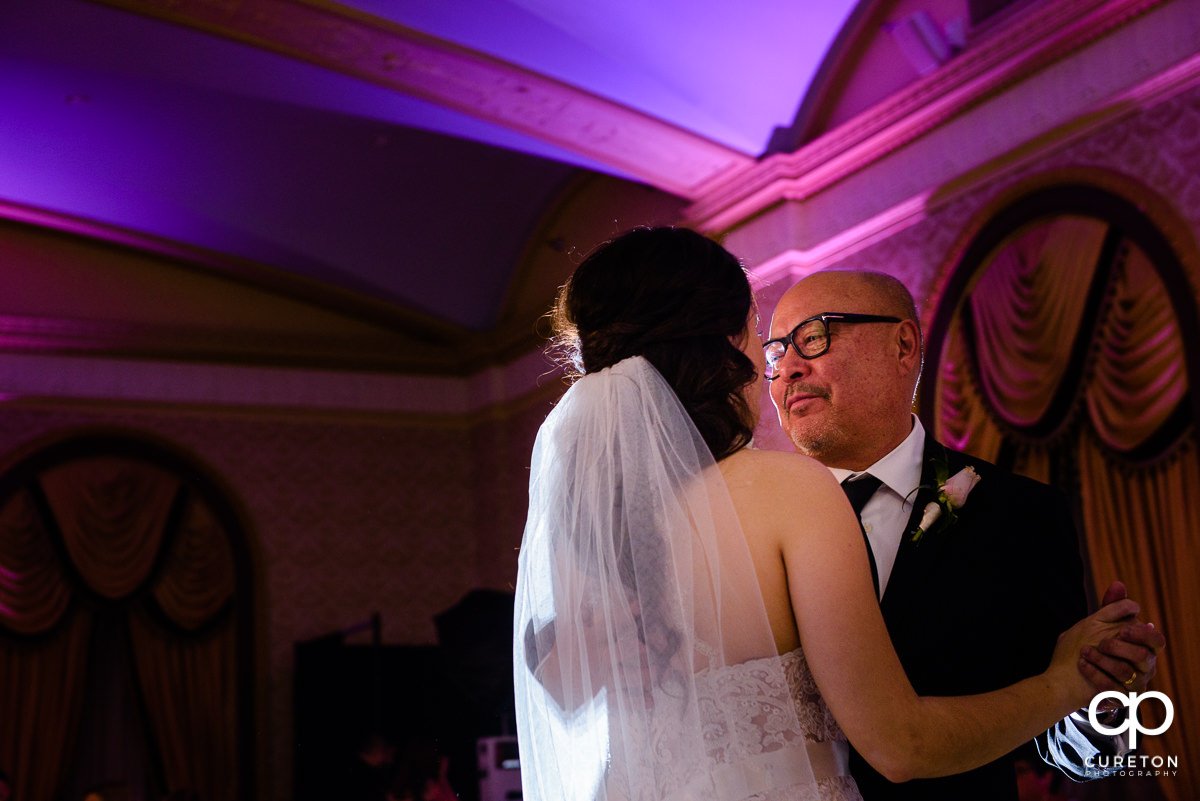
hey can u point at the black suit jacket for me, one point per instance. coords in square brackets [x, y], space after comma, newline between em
[979, 605]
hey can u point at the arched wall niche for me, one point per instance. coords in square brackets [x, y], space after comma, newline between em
[128, 618]
[1064, 343]
[1134, 213]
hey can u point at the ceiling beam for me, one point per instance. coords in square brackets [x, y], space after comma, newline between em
[372, 49]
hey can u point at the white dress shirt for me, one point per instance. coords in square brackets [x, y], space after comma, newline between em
[886, 514]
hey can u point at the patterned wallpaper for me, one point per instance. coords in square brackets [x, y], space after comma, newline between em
[346, 516]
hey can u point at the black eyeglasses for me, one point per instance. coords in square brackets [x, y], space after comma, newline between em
[811, 337]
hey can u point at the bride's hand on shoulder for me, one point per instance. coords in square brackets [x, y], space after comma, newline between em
[1066, 663]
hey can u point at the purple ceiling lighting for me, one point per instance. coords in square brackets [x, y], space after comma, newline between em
[113, 118]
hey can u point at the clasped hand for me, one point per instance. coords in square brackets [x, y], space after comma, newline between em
[1127, 661]
[1113, 649]
[1068, 663]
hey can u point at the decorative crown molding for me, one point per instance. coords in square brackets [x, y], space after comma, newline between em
[382, 52]
[1011, 52]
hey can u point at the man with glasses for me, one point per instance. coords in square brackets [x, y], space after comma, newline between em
[973, 601]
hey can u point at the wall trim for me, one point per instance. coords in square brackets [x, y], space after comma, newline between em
[1012, 52]
[40, 380]
[796, 262]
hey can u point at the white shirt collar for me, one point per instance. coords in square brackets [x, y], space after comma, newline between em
[900, 469]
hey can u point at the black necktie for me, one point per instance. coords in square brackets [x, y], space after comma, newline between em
[859, 491]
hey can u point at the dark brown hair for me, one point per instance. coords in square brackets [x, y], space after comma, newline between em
[676, 298]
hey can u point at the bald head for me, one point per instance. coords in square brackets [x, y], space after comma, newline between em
[884, 291]
[851, 405]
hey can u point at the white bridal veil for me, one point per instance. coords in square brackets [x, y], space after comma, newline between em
[636, 596]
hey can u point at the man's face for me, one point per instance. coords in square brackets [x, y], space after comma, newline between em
[841, 407]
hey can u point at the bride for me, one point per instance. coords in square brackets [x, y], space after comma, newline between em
[695, 618]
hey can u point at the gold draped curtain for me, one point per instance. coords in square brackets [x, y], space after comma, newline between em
[109, 539]
[1056, 358]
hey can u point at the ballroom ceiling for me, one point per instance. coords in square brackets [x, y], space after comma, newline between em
[402, 151]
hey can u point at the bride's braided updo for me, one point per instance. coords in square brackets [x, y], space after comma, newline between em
[681, 301]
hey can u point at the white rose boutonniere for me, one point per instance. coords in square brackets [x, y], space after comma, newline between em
[952, 495]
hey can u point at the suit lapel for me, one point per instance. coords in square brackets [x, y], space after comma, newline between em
[913, 562]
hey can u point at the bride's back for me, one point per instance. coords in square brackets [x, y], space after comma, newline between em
[757, 481]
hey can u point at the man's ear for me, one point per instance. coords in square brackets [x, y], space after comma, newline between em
[908, 340]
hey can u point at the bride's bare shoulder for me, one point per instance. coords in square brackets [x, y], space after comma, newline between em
[780, 496]
[771, 470]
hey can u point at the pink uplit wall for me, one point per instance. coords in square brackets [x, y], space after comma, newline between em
[1149, 157]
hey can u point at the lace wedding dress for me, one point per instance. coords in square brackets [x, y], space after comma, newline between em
[750, 687]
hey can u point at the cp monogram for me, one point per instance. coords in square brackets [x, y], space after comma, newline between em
[1131, 722]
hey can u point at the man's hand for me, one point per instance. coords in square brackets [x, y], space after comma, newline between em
[1127, 662]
